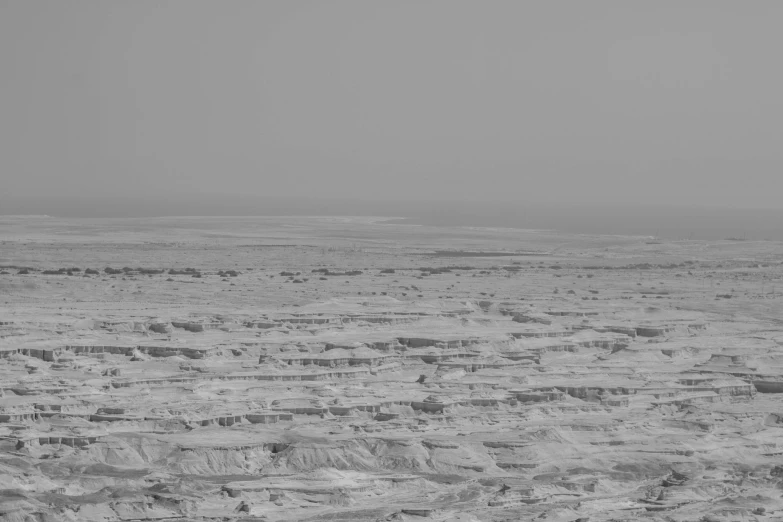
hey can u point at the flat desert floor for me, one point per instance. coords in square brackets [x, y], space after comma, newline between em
[348, 369]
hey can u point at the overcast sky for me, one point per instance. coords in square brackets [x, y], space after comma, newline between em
[577, 101]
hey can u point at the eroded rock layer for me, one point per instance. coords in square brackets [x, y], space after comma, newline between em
[195, 369]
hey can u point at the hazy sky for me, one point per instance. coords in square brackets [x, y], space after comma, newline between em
[579, 101]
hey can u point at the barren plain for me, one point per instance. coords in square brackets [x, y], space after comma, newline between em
[352, 369]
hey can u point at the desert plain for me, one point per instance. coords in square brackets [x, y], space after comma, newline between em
[362, 369]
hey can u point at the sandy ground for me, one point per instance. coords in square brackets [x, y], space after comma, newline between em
[335, 369]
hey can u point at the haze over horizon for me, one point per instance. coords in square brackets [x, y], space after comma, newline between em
[664, 103]
[662, 221]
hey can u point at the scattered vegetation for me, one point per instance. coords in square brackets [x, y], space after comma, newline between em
[150, 271]
[432, 271]
[62, 271]
[326, 271]
[187, 271]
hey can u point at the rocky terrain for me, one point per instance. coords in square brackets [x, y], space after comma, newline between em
[283, 369]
